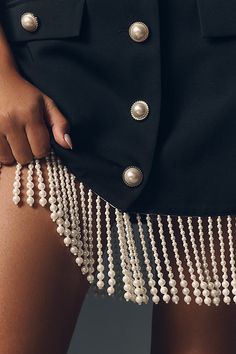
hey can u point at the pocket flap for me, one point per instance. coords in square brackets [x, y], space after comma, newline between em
[56, 19]
[217, 17]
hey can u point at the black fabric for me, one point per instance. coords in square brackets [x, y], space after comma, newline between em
[217, 17]
[186, 72]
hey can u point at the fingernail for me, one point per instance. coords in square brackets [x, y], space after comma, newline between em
[67, 138]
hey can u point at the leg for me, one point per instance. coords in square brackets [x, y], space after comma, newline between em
[42, 288]
[194, 329]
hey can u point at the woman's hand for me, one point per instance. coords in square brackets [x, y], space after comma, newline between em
[26, 114]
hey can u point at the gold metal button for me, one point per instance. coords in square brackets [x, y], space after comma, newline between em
[132, 176]
[29, 21]
[139, 110]
[138, 31]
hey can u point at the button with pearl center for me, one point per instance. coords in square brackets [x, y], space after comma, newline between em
[132, 176]
[138, 31]
[29, 22]
[139, 110]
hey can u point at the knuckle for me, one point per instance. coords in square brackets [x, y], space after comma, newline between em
[7, 161]
[7, 120]
[50, 102]
[64, 125]
[41, 154]
[34, 107]
[25, 160]
[33, 117]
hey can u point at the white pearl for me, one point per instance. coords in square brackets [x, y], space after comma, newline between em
[153, 291]
[60, 229]
[67, 232]
[127, 296]
[216, 301]
[16, 199]
[183, 283]
[166, 298]
[227, 300]
[187, 299]
[175, 299]
[30, 201]
[100, 267]
[42, 194]
[198, 300]
[110, 290]
[186, 291]
[155, 299]
[100, 284]
[79, 260]
[100, 276]
[67, 241]
[74, 250]
[207, 301]
[90, 278]
[43, 202]
[139, 300]
[111, 281]
[111, 273]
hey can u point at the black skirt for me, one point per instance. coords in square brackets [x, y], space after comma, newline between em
[181, 64]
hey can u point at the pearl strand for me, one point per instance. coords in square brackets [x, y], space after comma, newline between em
[62, 199]
[72, 210]
[100, 266]
[151, 282]
[203, 284]
[85, 228]
[111, 272]
[195, 283]
[17, 184]
[232, 256]
[161, 281]
[183, 281]
[90, 276]
[30, 184]
[125, 264]
[52, 200]
[215, 292]
[41, 184]
[225, 283]
[137, 274]
[78, 235]
[127, 258]
[172, 282]
[210, 284]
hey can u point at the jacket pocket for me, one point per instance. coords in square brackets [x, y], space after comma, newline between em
[56, 19]
[217, 17]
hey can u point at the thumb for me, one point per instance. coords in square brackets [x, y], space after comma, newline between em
[58, 123]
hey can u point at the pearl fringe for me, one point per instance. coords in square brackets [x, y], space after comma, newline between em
[144, 261]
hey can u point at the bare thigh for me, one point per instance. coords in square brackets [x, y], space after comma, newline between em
[193, 329]
[41, 286]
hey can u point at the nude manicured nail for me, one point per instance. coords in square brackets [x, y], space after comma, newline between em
[67, 138]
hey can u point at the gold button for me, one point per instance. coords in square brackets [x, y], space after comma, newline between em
[139, 110]
[138, 31]
[29, 22]
[132, 176]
